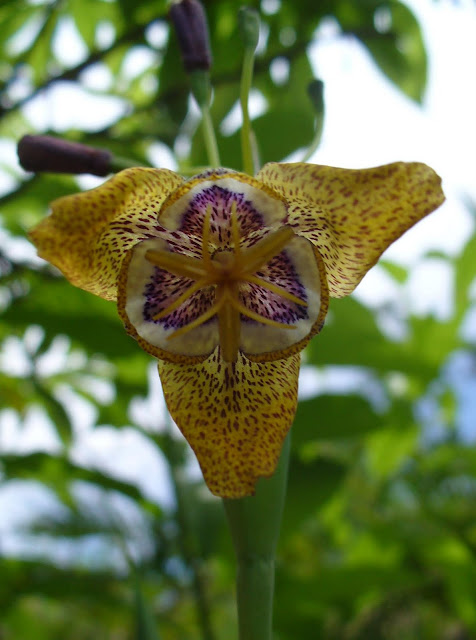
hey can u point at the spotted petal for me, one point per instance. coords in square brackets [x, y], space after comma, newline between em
[235, 416]
[87, 235]
[352, 216]
[257, 206]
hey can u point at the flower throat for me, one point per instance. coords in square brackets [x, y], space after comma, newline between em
[225, 270]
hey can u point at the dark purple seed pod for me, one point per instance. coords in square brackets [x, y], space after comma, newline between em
[190, 22]
[48, 154]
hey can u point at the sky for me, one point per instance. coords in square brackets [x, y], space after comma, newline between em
[368, 123]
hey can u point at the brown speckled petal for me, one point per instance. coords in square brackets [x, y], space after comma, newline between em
[88, 234]
[352, 216]
[235, 416]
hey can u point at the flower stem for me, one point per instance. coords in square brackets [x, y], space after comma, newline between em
[201, 91]
[246, 130]
[210, 139]
[255, 522]
[249, 24]
[316, 94]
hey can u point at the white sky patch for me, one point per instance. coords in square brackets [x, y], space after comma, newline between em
[279, 70]
[19, 498]
[81, 413]
[25, 36]
[270, 7]
[13, 359]
[8, 158]
[341, 380]
[430, 288]
[28, 433]
[377, 287]
[68, 106]
[97, 77]
[149, 411]
[21, 86]
[160, 156]
[137, 60]
[127, 454]
[105, 34]
[370, 122]
[86, 182]
[68, 46]
[157, 34]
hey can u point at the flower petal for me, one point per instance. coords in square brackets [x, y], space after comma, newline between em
[145, 290]
[235, 416]
[87, 235]
[257, 206]
[299, 271]
[352, 216]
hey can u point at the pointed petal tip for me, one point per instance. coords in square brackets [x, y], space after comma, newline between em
[353, 215]
[87, 235]
[235, 416]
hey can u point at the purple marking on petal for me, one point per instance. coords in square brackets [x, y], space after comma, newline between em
[163, 288]
[220, 199]
[281, 272]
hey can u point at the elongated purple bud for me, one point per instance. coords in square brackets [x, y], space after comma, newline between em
[190, 22]
[45, 153]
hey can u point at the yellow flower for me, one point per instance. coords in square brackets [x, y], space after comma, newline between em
[225, 278]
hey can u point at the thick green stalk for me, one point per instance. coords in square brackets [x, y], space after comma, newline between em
[246, 130]
[201, 91]
[316, 94]
[255, 523]
[249, 25]
[210, 139]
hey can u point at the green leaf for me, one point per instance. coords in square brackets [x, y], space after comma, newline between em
[55, 411]
[465, 273]
[145, 626]
[58, 472]
[400, 51]
[310, 485]
[398, 273]
[26, 206]
[333, 416]
[88, 13]
[89, 321]
[351, 337]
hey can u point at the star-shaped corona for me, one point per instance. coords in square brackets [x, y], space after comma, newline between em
[226, 277]
[226, 273]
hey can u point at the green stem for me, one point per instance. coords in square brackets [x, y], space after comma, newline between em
[246, 130]
[255, 523]
[210, 139]
[315, 143]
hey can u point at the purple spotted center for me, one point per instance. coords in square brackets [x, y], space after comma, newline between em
[233, 270]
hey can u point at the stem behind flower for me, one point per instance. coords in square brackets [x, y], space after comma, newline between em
[255, 523]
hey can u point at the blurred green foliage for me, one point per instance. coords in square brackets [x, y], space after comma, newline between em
[379, 539]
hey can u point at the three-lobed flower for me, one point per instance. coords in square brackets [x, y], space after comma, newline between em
[226, 277]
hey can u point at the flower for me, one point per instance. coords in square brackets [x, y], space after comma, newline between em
[225, 278]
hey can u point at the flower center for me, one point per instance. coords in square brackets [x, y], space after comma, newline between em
[225, 271]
